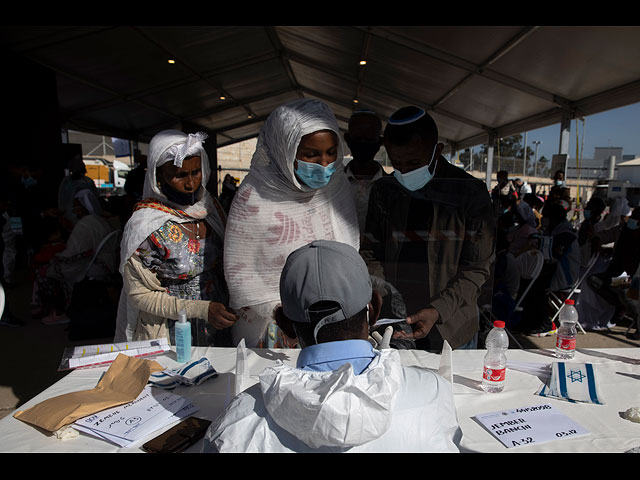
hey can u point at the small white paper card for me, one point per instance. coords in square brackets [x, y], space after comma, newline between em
[388, 321]
[530, 425]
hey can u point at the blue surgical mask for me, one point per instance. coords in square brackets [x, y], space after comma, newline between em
[315, 175]
[587, 214]
[632, 224]
[418, 178]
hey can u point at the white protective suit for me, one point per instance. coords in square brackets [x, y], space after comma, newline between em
[387, 408]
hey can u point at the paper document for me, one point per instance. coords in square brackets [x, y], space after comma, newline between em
[530, 425]
[130, 423]
[387, 321]
[98, 355]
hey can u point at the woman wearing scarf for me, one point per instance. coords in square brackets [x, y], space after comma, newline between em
[171, 251]
[54, 283]
[294, 193]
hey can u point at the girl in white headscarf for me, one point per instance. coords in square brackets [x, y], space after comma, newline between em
[171, 251]
[294, 193]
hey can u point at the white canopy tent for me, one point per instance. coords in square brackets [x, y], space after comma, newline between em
[480, 83]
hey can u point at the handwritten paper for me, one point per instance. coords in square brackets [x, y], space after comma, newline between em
[128, 424]
[530, 425]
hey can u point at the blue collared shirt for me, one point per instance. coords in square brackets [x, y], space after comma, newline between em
[330, 356]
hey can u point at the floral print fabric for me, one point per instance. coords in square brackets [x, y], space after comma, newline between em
[190, 269]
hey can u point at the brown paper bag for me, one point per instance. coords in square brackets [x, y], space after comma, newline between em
[121, 384]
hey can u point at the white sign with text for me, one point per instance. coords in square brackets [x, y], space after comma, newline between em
[530, 425]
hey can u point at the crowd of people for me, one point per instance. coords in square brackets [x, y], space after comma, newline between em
[597, 251]
[308, 252]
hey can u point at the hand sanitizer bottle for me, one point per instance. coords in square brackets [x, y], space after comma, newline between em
[183, 337]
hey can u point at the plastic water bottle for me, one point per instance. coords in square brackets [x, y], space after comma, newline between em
[183, 338]
[495, 360]
[567, 333]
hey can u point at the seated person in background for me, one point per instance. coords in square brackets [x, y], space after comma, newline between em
[626, 259]
[69, 266]
[586, 233]
[522, 187]
[565, 250]
[560, 271]
[518, 224]
[536, 204]
[54, 243]
[343, 395]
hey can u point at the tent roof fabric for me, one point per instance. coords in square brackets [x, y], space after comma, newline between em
[478, 82]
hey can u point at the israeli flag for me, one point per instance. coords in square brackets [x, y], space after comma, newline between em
[573, 382]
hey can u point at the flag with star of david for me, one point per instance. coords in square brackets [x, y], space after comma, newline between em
[574, 382]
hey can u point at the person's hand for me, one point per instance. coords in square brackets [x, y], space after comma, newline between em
[421, 323]
[220, 317]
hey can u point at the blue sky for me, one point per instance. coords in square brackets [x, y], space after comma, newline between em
[619, 127]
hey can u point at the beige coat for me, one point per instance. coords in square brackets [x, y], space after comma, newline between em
[155, 306]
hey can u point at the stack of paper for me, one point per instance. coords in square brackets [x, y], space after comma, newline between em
[574, 382]
[131, 423]
[99, 355]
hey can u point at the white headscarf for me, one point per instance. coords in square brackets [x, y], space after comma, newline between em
[273, 213]
[167, 146]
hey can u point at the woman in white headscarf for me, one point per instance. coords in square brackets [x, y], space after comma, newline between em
[294, 193]
[52, 291]
[171, 251]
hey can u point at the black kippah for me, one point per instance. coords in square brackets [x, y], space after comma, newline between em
[407, 115]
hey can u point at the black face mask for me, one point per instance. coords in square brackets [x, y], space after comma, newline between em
[180, 198]
[364, 150]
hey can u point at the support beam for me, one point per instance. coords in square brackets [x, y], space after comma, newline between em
[491, 142]
[565, 131]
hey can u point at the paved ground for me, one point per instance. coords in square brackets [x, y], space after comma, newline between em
[31, 354]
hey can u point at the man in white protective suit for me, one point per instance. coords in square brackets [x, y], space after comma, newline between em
[344, 395]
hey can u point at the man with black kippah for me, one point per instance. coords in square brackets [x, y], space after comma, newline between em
[432, 228]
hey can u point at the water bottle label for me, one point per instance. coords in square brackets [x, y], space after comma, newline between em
[566, 343]
[494, 375]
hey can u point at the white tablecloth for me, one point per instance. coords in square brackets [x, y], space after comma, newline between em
[618, 376]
